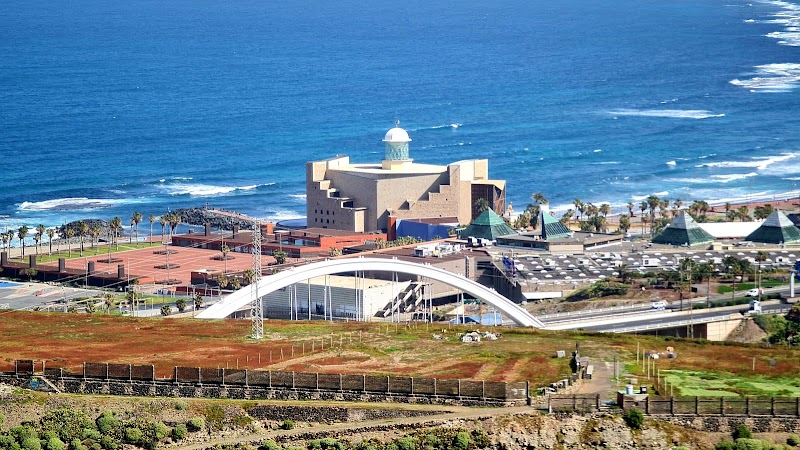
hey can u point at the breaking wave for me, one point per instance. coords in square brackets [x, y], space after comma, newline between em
[667, 113]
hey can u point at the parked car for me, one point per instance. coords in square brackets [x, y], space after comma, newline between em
[755, 292]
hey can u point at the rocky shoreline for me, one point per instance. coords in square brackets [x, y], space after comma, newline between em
[224, 220]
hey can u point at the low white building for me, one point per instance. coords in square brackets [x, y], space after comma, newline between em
[335, 297]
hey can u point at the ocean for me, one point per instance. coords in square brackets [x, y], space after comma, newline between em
[110, 107]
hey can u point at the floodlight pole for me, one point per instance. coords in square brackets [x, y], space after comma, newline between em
[256, 308]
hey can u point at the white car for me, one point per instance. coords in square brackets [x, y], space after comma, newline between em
[754, 292]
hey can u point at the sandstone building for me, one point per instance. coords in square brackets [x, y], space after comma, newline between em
[371, 197]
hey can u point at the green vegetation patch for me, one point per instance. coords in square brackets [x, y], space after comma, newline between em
[706, 384]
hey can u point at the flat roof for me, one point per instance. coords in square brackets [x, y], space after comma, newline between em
[377, 169]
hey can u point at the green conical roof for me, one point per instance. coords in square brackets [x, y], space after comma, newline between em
[775, 230]
[487, 226]
[552, 228]
[683, 230]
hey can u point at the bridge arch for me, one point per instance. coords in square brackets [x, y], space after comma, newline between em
[297, 274]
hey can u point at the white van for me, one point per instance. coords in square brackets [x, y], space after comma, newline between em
[754, 292]
[659, 305]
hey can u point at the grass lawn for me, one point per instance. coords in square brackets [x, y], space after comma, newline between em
[87, 251]
[725, 289]
[710, 384]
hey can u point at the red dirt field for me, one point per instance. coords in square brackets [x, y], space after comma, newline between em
[68, 340]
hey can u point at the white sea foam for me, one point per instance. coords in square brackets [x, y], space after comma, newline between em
[671, 163]
[667, 113]
[205, 190]
[454, 126]
[276, 216]
[760, 162]
[68, 203]
[298, 196]
[732, 177]
[597, 150]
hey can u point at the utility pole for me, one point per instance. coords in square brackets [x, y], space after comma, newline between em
[256, 308]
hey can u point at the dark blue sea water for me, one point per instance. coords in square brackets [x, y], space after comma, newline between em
[110, 107]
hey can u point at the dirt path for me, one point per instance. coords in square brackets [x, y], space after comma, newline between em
[457, 413]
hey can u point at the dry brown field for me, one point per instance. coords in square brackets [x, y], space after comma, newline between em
[67, 340]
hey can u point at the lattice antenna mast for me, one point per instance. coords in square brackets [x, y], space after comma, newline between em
[256, 308]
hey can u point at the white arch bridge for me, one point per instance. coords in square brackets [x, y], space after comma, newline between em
[280, 280]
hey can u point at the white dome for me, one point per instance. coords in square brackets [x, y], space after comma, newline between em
[396, 135]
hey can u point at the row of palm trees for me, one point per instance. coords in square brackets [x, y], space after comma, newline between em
[83, 229]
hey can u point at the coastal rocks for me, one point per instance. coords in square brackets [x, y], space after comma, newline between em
[221, 220]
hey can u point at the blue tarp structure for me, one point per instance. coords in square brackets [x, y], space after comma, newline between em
[421, 230]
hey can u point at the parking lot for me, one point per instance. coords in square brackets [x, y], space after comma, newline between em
[550, 269]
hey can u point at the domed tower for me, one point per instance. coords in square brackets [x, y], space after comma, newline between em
[396, 153]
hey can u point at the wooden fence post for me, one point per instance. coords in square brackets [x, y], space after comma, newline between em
[269, 379]
[772, 406]
[646, 404]
[747, 406]
[697, 406]
[435, 394]
[316, 380]
[597, 403]
[246, 381]
[672, 406]
[722, 406]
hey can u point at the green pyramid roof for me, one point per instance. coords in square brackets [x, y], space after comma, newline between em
[487, 226]
[552, 228]
[775, 230]
[683, 230]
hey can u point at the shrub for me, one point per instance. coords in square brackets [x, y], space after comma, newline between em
[269, 444]
[793, 440]
[133, 435]
[2, 420]
[431, 440]
[313, 445]
[76, 444]
[68, 423]
[741, 431]
[633, 418]
[108, 443]
[405, 443]
[54, 443]
[461, 441]
[6, 440]
[31, 443]
[159, 431]
[22, 432]
[287, 425]
[90, 433]
[181, 406]
[179, 432]
[196, 424]
[750, 444]
[481, 439]
[107, 423]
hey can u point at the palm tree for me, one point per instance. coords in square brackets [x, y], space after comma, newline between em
[744, 213]
[676, 207]
[174, 221]
[605, 209]
[539, 199]
[567, 216]
[653, 202]
[115, 225]
[630, 208]
[624, 223]
[151, 218]
[69, 232]
[643, 208]
[663, 206]
[727, 208]
[578, 207]
[481, 204]
[22, 233]
[136, 219]
[37, 238]
[94, 232]
[163, 221]
[40, 229]
[50, 233]
[83, 229]
[5, 238]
